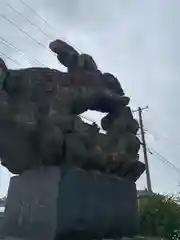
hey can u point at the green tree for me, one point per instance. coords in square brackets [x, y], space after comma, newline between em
[159, 216]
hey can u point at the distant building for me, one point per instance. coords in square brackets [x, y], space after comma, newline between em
[143, 196]
[144, 193]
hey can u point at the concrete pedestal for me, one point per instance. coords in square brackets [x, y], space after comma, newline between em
[53, 203]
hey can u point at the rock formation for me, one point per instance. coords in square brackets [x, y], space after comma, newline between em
[40, 122]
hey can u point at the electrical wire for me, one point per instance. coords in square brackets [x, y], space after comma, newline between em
[164, 160]
[46, 22]
[27, 34]
[164, 138]
[32, 10]
[11, 45]
[10, 58]
[28, 20]
[20, 29]
[84, 117]
[88, 119]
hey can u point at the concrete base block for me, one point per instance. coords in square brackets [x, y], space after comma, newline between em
[53, 203]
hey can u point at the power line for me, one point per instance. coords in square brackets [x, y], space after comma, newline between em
[46, 22]
[159, 156]
[28, 20]
[93, 121]
[84, 117]
[164, 160]
[11, 45]
[15, 25]
[32, 10]
[144, 108]
[168, 162]
[20, 29]
[88, 119]
[3, 54]
[165, 138]
[26, 33]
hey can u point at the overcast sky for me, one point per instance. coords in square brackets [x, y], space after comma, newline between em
[136, 40]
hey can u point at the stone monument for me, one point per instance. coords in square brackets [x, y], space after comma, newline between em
[72, 180]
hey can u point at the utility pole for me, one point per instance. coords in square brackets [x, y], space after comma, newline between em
[144, 148]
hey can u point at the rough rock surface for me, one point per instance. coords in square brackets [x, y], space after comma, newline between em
[40, 123]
